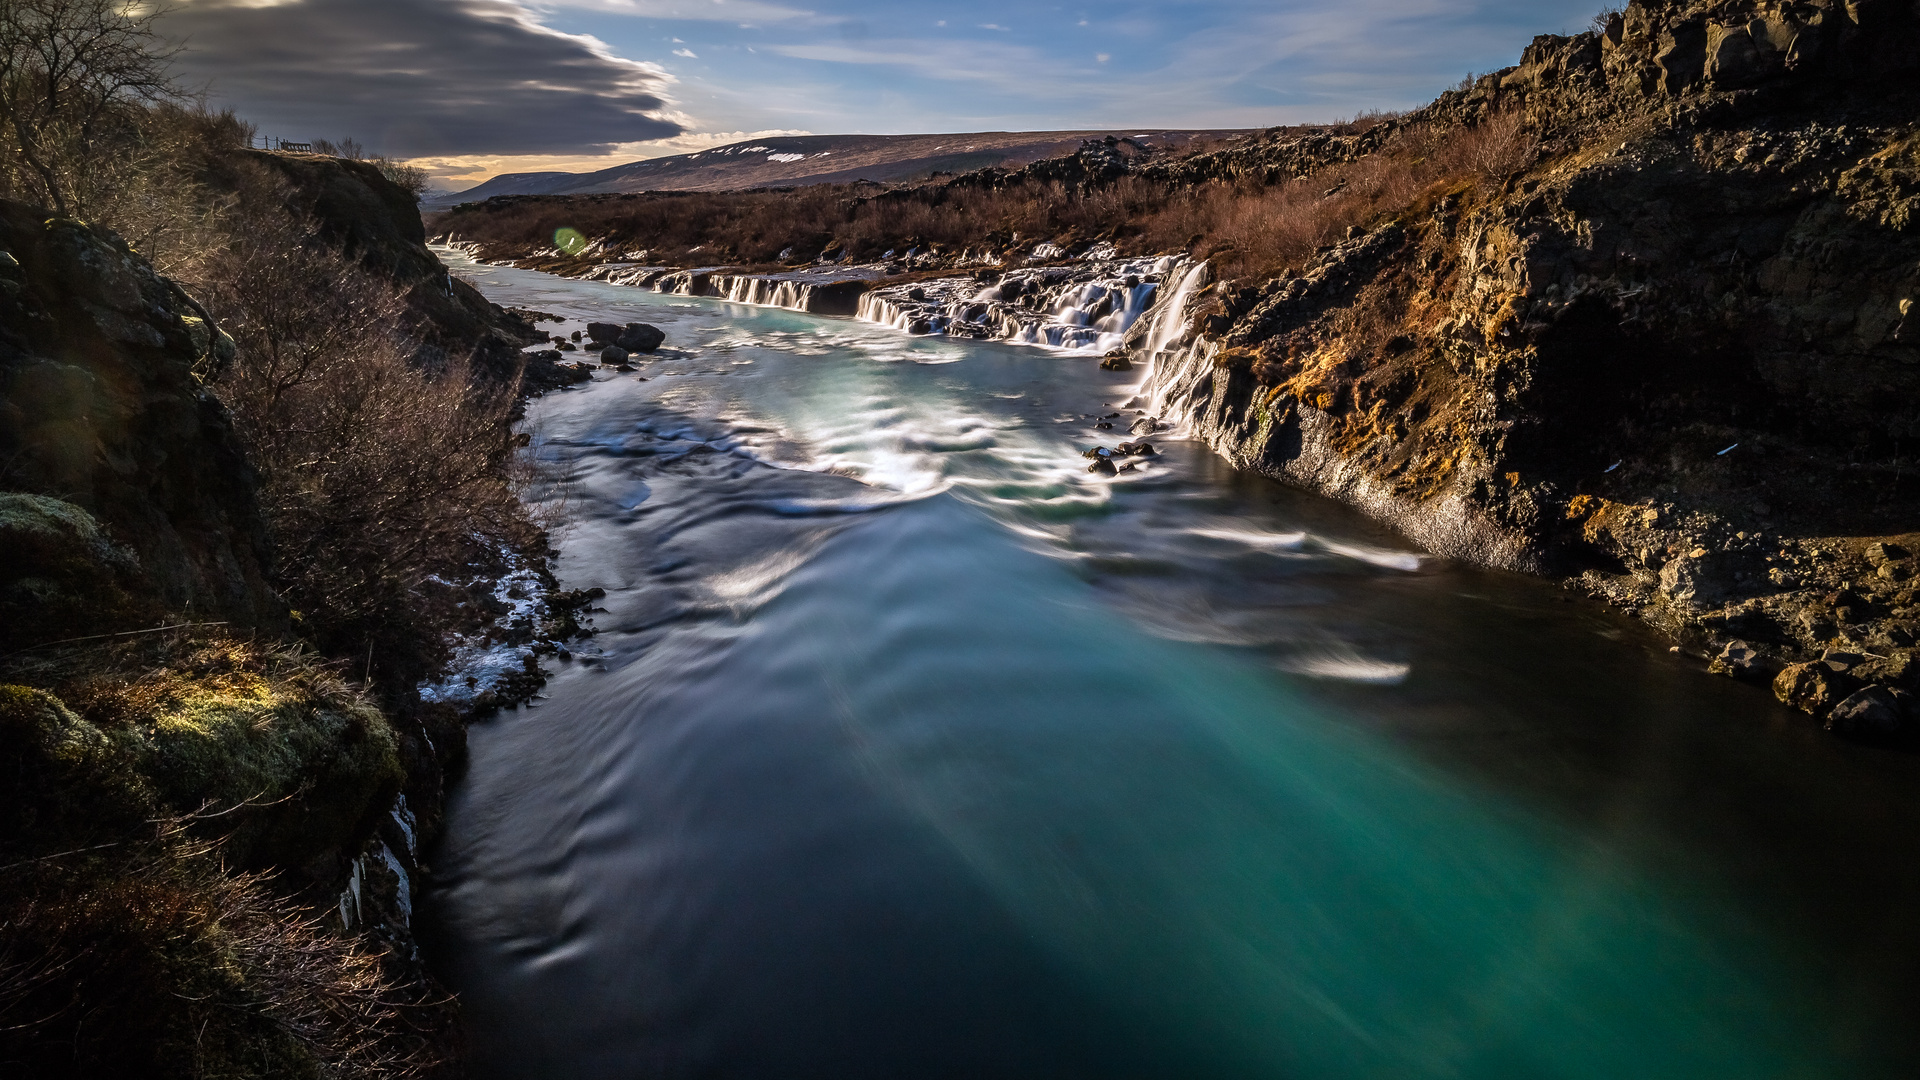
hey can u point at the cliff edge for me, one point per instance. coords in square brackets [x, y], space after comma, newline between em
[1673, 356]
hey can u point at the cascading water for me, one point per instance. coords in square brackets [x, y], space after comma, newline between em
[1086, 307]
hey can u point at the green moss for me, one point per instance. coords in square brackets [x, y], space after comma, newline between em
[309, 761]
[60, 576]
[64, 778]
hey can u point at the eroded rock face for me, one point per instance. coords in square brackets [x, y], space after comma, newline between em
[100, 407]
[1672, 359]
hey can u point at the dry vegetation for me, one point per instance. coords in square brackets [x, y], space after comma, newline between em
[1248, 228]
[379, 477]
[128, 947]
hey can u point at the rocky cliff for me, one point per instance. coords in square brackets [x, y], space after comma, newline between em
[1674, 357]
[100, 406]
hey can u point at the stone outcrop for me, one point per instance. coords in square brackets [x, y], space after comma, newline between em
[101, 408]
[1673, 358]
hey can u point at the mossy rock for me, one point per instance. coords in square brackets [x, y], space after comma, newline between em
[61, 777]
[307, 769]
[60, 575]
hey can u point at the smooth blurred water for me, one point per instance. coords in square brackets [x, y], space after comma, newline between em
[911, 749]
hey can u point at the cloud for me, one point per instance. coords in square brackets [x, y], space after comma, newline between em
[732, 11]
[461, 171]
[421, 77]
[688, 53]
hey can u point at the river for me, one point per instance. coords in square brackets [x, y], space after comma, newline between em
[909, 748]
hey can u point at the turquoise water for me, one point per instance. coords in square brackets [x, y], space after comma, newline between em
[908, 748]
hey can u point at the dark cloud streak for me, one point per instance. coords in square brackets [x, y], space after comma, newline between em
[419, 77]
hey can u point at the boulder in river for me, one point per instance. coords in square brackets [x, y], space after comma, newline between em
[640, 337]
[1103, 466]
[1116, 361]
[1812, 688]
[1145, 425]
[613, 356]
[605, 333]
[1872, 713]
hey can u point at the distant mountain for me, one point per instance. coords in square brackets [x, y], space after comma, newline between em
[814, 159]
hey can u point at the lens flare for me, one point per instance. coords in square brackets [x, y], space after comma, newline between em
[569, 240]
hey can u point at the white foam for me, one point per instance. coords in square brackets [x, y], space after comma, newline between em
[1348, 667]
[1261, 540]
[1391, 560]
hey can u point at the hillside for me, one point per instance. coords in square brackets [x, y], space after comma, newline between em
[817, 159]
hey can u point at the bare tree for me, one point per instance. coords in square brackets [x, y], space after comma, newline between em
[67, 68]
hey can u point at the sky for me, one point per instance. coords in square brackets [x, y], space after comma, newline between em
[472, 88]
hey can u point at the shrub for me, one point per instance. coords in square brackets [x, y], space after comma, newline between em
[378, 476]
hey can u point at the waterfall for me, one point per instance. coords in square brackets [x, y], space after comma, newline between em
[1170, 321]
[1168, 370]
[1085, 308]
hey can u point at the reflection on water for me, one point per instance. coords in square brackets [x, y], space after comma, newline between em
[909, 748]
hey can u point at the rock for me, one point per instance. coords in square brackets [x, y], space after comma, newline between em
[1104, 426]
[917, 293]
[1740, 660]
[1873, 713]
[1812, 688]
[1841, 661]
[62, 576]
[613, 356]
[568, 346]
[1681, 56]
[640, 337]
[1145, 425]
[576, 335]
[104, 407]
[1097, 452]
[1734, 59]
[604, 333]
[920, 326]
[1103, 466]
[1881, 553]
[1133, 449]
[1895, 670]
[1693, 578]
[1116, 361]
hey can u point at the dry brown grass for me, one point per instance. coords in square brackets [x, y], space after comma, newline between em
[1250, 230]
[149, 959]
